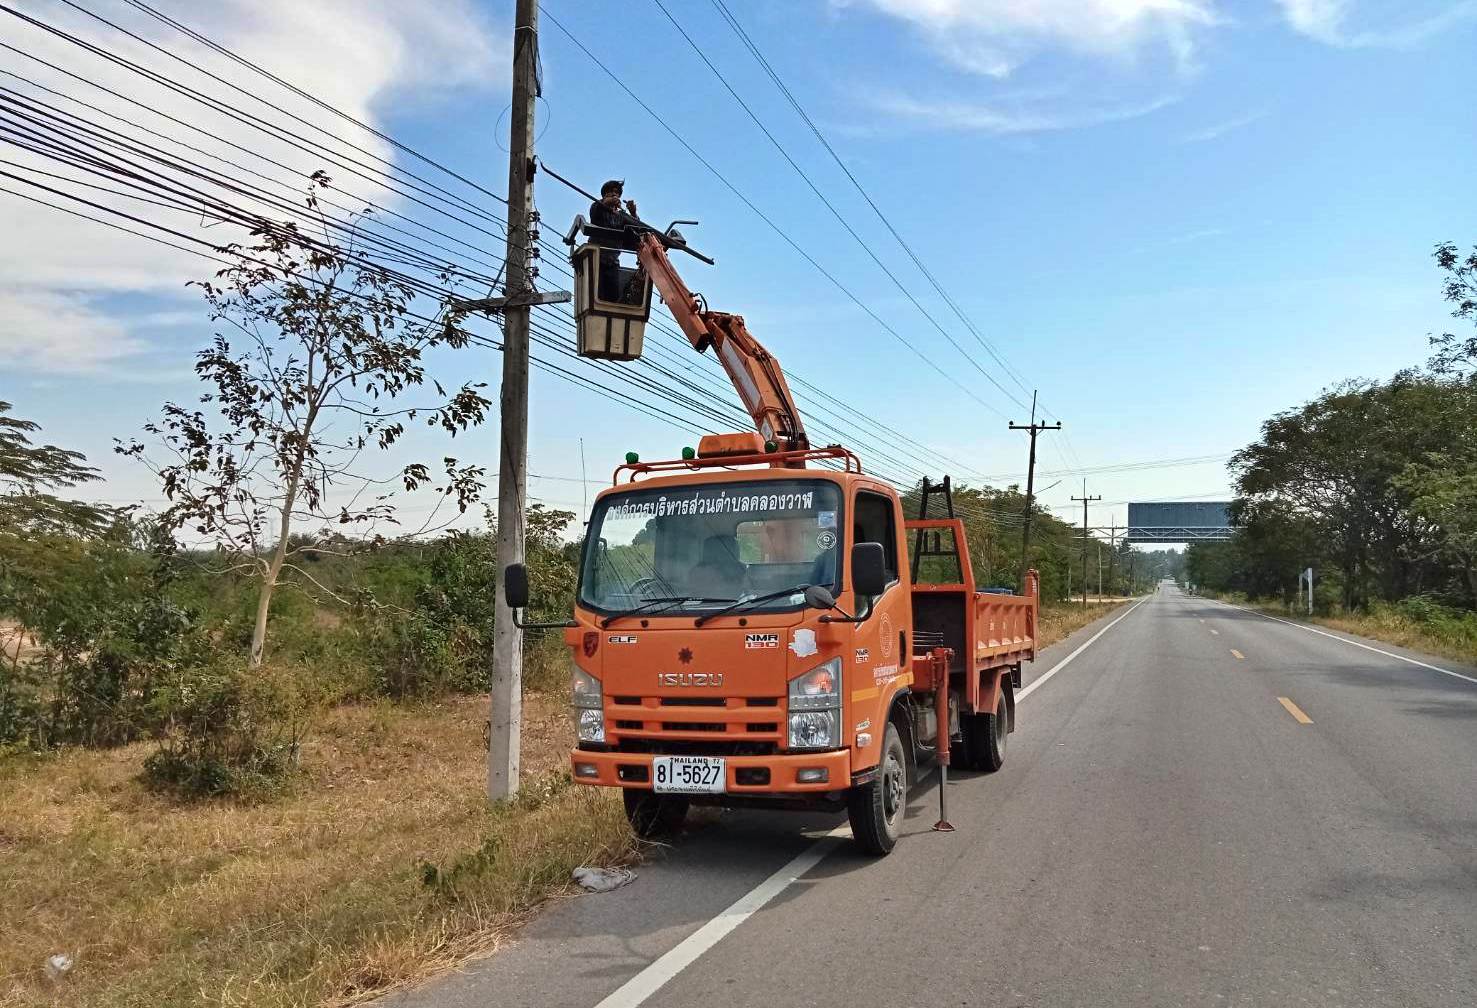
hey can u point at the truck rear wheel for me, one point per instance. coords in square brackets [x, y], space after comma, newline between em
[984, 738]
[653, 816]
[876, 808]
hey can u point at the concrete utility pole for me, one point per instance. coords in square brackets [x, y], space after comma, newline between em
[1112, 556]
[1085, 501]
[506, 720]
[1034, 428]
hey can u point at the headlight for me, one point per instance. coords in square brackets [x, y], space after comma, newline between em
[587, 692]
[818, 689]
[815, 708]
[590, 725]
[588, 699]
[814, 730]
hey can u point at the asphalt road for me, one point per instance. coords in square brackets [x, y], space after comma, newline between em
[1204, 807]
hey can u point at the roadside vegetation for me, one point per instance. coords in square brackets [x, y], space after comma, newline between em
[1414, 623]
[1373, 484]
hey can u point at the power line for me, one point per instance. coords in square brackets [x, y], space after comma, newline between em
[312, 98]
[733, 22]
[831, 207]
[784, 236]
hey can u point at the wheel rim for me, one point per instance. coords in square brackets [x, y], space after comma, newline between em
[892, 788]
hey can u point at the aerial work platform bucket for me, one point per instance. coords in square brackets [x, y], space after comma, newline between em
[611, 303]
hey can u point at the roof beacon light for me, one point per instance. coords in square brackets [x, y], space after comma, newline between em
[726, 445]
[632, 458]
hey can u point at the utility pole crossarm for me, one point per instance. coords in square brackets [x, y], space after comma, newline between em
[525, 300]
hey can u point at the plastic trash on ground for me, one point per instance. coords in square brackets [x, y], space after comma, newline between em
[58, 966]
[603, 879]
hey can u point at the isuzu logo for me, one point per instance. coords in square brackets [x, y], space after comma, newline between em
[689, 678]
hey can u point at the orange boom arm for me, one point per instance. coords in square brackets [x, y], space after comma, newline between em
[754, 371]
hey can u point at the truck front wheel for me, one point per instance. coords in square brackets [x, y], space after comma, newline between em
[876, 808]
[984, 738]
[654, 816]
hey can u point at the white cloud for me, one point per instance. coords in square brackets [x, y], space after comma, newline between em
[1220, 129]
[985, 117]
[361, 56]
[996, 37]
[1071, 63]
[1354, 25]
[59, 333]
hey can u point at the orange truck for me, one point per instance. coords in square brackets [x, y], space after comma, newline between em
[757, 622]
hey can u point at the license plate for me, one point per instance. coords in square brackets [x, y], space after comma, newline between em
[688, 775]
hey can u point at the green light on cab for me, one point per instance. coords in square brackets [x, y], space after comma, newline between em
[688, 454]
[770, 446]
[632, 458]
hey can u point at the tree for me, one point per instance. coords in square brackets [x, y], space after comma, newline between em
[1334, 462]
[1456, 356]
[29, 471]
[318, 349]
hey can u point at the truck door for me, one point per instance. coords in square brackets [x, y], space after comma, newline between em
[882, 638]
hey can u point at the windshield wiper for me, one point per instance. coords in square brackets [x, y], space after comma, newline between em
[662, 600]
[741, 603]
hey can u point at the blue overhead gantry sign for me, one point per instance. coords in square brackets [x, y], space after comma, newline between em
[1179, 522]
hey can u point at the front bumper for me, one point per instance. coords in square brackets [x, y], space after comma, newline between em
[779, 772]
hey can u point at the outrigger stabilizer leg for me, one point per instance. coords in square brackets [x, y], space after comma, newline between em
[941, 709]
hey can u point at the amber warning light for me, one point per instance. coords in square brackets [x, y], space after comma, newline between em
[723, 445]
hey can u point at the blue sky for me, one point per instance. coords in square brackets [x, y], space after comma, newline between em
[1174, 217]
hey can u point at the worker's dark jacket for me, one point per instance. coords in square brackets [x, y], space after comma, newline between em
[610, 259]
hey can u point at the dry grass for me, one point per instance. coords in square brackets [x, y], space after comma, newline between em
[382, 864]
[1062, 619]
[1387, 625]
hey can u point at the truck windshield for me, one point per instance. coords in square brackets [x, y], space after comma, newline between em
[711, 545]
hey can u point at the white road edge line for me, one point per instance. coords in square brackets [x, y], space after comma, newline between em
[666, 966]
[1354, 643]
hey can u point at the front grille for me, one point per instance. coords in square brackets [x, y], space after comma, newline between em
[703, 747]
[657, 725]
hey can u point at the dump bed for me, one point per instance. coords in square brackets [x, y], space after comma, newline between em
[987, 631]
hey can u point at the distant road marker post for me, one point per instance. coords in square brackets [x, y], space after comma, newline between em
[1295, 711]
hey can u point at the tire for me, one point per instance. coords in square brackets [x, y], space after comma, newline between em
[984, 738]
[653, 816]
[876, 808]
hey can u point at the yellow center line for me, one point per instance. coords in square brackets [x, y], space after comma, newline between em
[1295, 711]
[1238, 654]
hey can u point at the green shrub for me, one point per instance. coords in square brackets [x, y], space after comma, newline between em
[228, 731]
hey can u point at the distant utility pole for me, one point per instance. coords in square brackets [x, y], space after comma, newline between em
[1034, 428]
[1112, 556]
[505, 734]
[1085, 501]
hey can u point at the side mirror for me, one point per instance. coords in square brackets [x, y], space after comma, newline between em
[820, 597]
[515, 586]
[868, 569]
